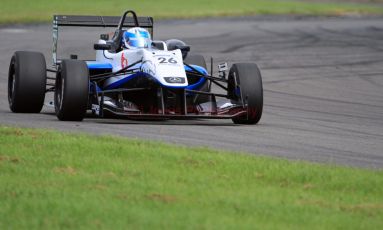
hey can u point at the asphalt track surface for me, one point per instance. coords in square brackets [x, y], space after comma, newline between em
[323, 86]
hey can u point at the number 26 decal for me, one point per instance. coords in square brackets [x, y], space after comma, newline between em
[164, 60]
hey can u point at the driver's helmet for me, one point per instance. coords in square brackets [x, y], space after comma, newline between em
[136, 38]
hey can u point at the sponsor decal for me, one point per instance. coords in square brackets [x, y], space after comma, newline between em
[148, 67]
[96, 109]
[175, 80]
[124, 61]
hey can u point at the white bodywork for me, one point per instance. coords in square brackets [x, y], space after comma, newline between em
[158, 64]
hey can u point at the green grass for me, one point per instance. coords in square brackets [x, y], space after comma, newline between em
[51, 180]
[27, 11]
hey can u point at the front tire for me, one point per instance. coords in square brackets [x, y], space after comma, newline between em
[199, 60]
[248, 78]
[72, 89]
[26, 82]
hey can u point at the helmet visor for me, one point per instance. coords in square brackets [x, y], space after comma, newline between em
[137, 39]
[139, 42]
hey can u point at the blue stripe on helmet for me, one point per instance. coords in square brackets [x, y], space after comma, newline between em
[141, 34]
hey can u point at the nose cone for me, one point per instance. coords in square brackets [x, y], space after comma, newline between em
[165, 66]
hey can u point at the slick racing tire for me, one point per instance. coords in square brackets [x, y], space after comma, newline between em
[248, 77]
[26, 82]
[72, 90]
[196, 59]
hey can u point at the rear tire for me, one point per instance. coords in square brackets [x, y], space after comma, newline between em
[248, 77]
[27, 82]
[196, 59]
[72, 90]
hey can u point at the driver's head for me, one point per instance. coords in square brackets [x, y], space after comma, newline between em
[136, 38]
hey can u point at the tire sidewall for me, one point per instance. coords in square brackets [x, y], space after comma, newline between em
[199, 60]
[72, 84]
[27, 70]
[12, 84]
[249, 79]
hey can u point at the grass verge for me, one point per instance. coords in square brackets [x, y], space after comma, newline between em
[51, 180]
[26, 11]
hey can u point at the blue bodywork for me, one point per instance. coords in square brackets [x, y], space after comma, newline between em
[92, 65]
[98, 65]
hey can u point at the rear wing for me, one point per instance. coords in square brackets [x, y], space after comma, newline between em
[95, 21]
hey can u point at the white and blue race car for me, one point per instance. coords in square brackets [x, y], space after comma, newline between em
[133, 77]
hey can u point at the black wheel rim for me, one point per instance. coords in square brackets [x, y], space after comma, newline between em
[59, 93]
[11, 84]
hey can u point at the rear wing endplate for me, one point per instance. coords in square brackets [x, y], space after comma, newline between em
[94, 21]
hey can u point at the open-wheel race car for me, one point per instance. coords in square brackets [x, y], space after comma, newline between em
[133, 77]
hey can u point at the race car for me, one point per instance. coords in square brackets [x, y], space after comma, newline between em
[134, 77]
